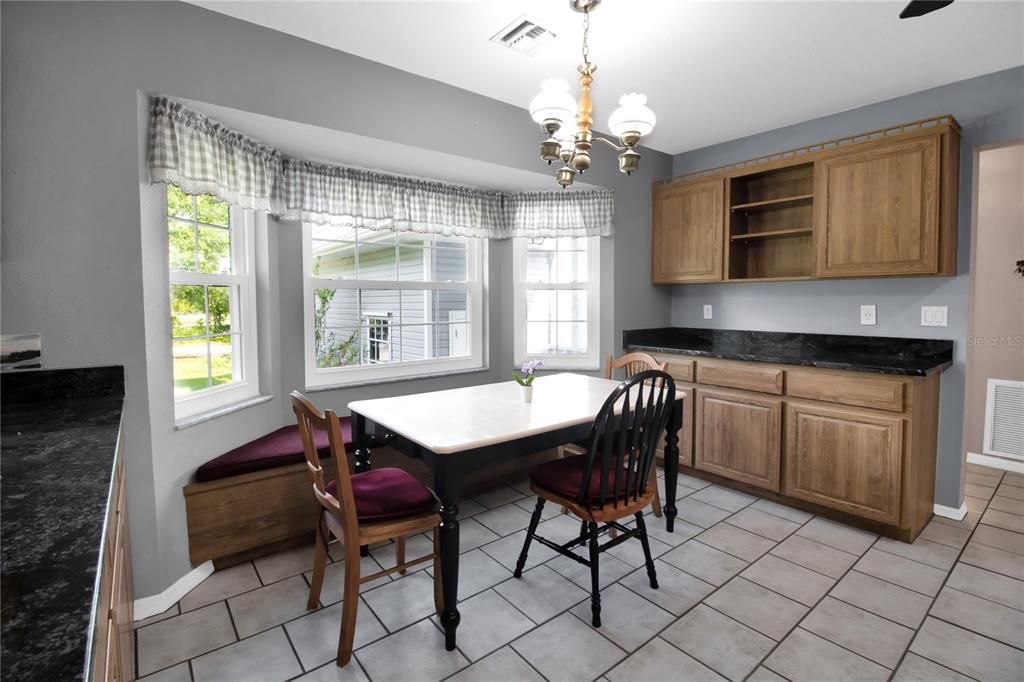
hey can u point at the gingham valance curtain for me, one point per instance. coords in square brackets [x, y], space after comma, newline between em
[201, 156]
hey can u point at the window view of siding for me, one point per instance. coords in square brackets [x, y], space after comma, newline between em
[556, 296]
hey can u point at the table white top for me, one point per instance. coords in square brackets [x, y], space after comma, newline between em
[461, 419]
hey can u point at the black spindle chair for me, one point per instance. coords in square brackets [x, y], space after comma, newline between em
[612, 480]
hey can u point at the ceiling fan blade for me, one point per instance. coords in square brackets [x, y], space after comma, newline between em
[917, 8]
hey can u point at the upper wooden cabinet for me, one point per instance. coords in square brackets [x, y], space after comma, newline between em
[880, 203]
[686, 244]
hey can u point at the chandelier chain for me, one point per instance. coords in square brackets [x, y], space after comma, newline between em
[586, 35]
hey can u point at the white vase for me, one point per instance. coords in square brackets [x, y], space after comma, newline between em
[526, 392]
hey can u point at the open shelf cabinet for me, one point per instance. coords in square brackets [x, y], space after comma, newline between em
[771, 214]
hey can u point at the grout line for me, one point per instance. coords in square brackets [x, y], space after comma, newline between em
[191, 672]
[231, 617]
[291, 644]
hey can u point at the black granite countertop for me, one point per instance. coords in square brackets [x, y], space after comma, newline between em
[58, 437]
[880, 354]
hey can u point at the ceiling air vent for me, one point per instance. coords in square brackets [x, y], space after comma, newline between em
[523, 35]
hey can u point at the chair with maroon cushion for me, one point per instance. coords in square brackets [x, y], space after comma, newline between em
[612, 480]
[360, 509]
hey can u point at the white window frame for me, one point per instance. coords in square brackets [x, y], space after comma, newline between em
[591, 359]
[337, 377]
[244, 345]
[377, 320]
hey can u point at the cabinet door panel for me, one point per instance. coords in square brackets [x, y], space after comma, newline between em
[738, 436]
[845, 459]
[878, 210]
[688, 225]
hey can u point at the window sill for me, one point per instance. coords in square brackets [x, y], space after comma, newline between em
[195, 419]
[395, 380]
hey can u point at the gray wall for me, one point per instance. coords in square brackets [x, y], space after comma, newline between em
[84, 247]
[991, 109]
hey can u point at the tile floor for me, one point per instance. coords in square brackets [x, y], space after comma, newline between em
[749, 590]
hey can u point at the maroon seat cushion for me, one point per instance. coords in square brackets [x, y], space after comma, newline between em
[387, 493]
[276, 449]
[565, 477]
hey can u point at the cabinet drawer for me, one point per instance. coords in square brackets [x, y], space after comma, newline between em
[680, 368]
[735, 375]
[863, 391]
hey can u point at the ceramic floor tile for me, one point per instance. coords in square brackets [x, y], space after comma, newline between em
[993, 559]
[659, 660]
[178, 639]
[723, 498]
[700, 514]
[267, 656]
[677, 592]
[736, 541]
[566, 648]
[402, 602]
[495, 497]
[719, 642]
[269, 606]
[814, 555]
[529, 504]
[330, 672]
[917, 669]
[837, 535]
[763, 674]
[477, 572]
[681, 532]
[694, 482]
[1004, 520]
[1000, 539]
[705, 562]
[626, 618]
[764, 524]
[169, 613]
[284, 564]
[523, 486]
[416, 546]
[860, 631]
[978, 615]
[488, 623]
[415, 653]
[987, 585]
[541, 593]
[506, 551]
[782, 511]
[315, 636]
[756, 607]
[1006, 504]
[902, 572]
[468, 508]
[945, 534]
[334, 579]
[788, 579]
[924, 551]
[967, 652]
[610, 569]
[805, 657]
[472, 535]
[505, 519]
[503, 664]
[631, 552]
[178, 673]
[220, 585]
[883, 599]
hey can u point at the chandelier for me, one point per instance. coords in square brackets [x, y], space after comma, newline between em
[555, 110]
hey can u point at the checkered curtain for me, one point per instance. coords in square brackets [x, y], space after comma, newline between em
[201, 156]
[580, 213]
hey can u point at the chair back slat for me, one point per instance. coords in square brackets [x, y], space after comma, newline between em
[633, 363]
[624, 438]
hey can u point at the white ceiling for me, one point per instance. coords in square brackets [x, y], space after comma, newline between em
[713, 71]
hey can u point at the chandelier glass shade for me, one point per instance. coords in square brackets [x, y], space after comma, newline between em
[567, 121]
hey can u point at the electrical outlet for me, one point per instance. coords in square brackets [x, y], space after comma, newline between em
[868, 314]
[934, 316]
[707, 311]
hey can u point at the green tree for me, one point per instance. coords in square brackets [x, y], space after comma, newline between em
[329, 352]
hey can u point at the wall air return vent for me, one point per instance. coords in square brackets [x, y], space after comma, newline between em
[523, 35]
[1004, 419]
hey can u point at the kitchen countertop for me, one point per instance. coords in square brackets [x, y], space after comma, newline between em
[59, 440]
[879, 354]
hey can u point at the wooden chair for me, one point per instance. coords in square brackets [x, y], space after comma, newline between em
[361, 509]
[612, 480]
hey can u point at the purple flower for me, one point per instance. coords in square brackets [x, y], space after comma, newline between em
[531, 366]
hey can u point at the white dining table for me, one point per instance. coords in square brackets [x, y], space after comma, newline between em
[461, 430]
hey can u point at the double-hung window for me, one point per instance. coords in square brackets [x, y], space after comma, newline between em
[212, 303]
[557, 301]
[382, 305]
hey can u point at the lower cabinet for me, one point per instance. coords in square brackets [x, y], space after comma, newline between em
[738, 435]
[844, 459]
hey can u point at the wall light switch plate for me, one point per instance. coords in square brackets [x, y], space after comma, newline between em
[707, 311]
[934, 316]
[869, 314]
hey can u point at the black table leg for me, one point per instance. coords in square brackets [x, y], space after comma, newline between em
[675, 421]
[361, 439]
[448, 486]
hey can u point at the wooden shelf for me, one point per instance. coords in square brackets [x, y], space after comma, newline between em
[772, 203]
[773, 233]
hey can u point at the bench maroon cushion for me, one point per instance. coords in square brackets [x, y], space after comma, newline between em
[387, 493]
[565, 477]
[277, 449]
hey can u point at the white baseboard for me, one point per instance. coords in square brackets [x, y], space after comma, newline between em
[158, 603]
[951, 512]
[995, 462]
